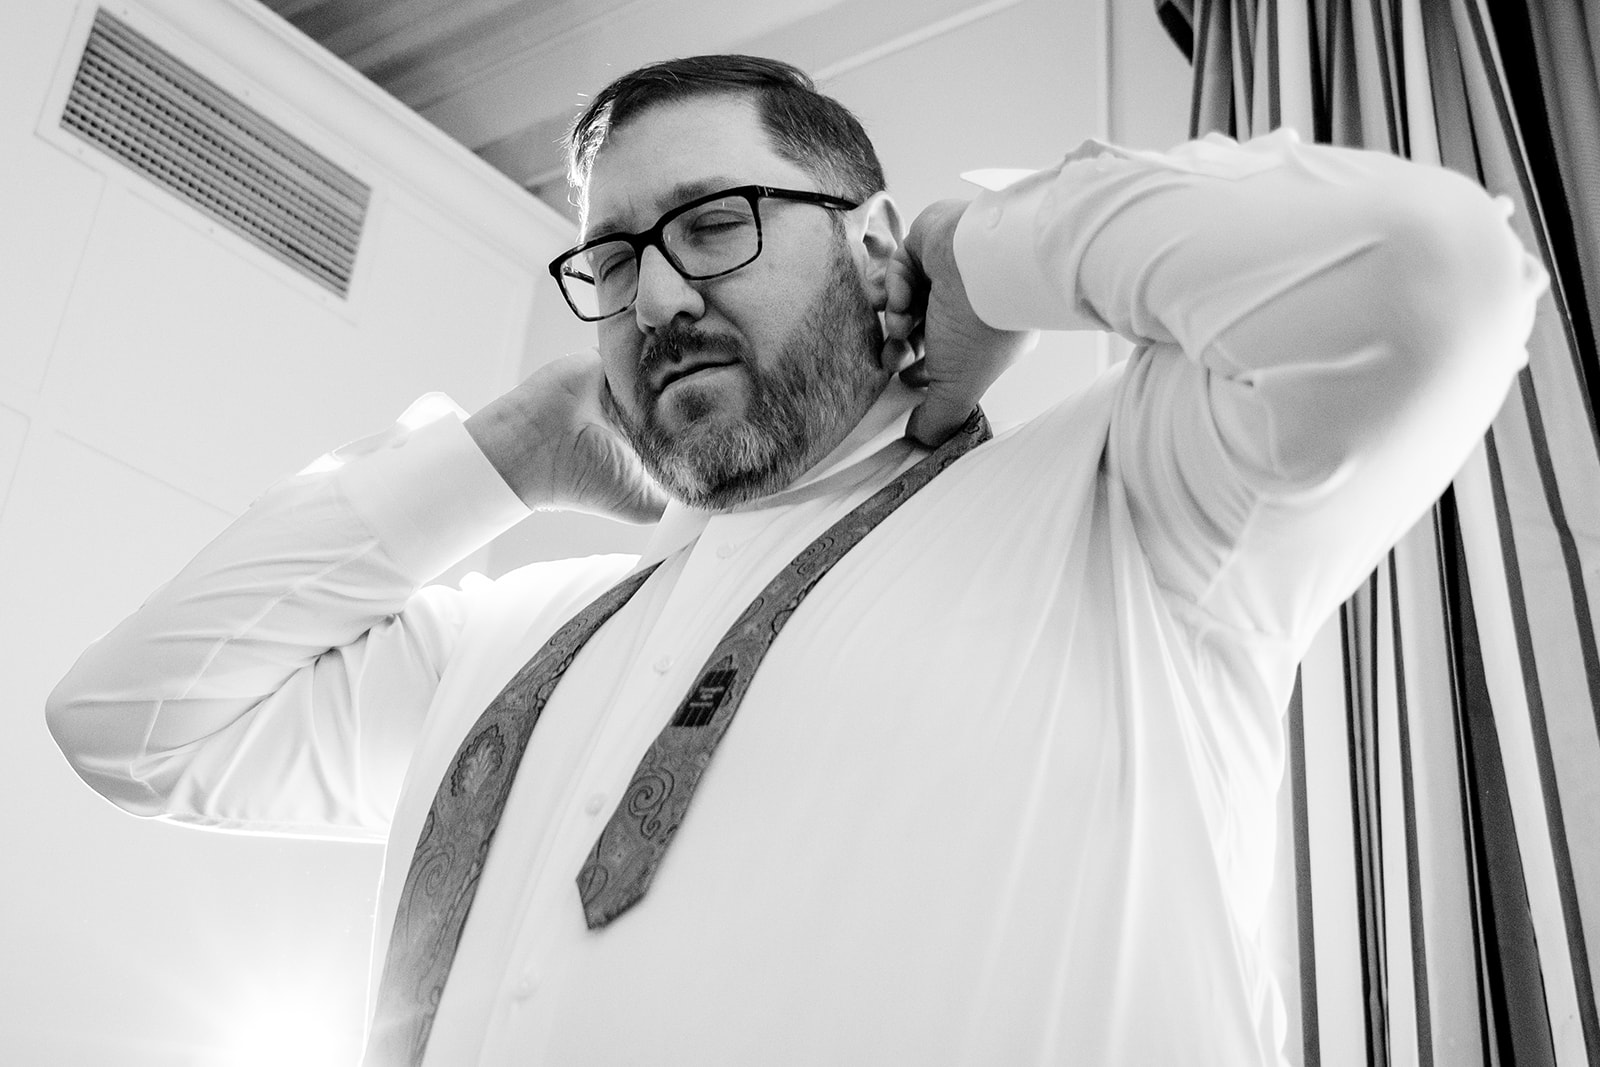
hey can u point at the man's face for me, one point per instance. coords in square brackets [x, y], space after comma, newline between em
[732, 387]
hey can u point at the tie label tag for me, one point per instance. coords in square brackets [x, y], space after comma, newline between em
[707, 697]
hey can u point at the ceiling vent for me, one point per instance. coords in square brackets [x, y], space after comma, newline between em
[139, 102]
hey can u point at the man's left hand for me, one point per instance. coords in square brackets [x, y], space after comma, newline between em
[928, 309]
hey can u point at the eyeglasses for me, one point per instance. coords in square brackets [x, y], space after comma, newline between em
[708, 237]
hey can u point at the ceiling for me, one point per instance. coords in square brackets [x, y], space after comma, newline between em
[505, 77]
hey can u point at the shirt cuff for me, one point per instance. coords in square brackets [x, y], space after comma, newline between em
[427, 492]
[995, 253]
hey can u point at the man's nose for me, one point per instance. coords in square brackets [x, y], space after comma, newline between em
[664, 294]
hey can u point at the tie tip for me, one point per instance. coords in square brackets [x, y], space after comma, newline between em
[602, 910]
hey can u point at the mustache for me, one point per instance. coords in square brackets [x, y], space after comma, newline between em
[669, 345]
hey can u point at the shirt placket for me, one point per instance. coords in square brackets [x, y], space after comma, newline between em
[715, 581]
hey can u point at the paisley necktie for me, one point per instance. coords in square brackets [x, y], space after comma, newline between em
[459, 829]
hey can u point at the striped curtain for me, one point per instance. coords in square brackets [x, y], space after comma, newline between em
[1440, 858]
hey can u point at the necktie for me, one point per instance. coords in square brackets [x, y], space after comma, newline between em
[466, 809]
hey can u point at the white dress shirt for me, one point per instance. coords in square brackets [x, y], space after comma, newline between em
[1003, 790]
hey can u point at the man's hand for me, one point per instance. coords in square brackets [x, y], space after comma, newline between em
[551, 441]
[928, 309]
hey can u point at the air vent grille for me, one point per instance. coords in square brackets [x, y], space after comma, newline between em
[144, 106]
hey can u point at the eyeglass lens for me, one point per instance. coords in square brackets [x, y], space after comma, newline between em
[706, 240]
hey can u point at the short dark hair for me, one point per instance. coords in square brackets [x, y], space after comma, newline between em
[809, 129]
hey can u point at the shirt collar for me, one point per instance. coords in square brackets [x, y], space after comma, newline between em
[883, 425]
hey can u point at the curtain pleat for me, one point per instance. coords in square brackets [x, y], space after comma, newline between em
[1550, 70]
[1409, 1018]
[1443, 944]
[1303, 1028]
[1362, 683]
[1331, 838]
[1212, 104]
[1441, 848]
[1545, 586]
[1512, 981]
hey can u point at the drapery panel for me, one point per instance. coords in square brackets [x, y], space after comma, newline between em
[1440, 864]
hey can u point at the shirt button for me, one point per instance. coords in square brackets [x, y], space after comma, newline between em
[725, 550]
[663, 664]
[525, 986]
[595, 803]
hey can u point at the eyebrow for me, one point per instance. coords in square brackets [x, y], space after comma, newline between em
[681, 193]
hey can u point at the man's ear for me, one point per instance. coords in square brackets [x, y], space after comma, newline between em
[875, 230]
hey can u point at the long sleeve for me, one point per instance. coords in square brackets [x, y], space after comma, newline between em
[1325, 334]
[278, 682]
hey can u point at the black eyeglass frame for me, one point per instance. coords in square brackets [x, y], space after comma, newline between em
[652, 238]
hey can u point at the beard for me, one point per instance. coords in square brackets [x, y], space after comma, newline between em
[798, 409]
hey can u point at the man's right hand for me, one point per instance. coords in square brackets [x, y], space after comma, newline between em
[551, 441]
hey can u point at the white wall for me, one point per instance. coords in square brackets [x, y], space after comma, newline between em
[155, 374]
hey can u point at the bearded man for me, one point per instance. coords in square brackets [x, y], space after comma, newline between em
[982, 735]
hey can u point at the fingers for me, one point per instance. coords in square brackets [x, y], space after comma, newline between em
[915, 374]
[906, 289]
[956, 382]
[926, 306]
[896, 354]
[940, 414]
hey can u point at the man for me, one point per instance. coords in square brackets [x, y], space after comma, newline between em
[1001, 791]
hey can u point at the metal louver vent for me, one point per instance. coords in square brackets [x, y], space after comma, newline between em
[144, 106]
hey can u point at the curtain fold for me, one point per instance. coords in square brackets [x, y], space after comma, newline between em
[1440, 882]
